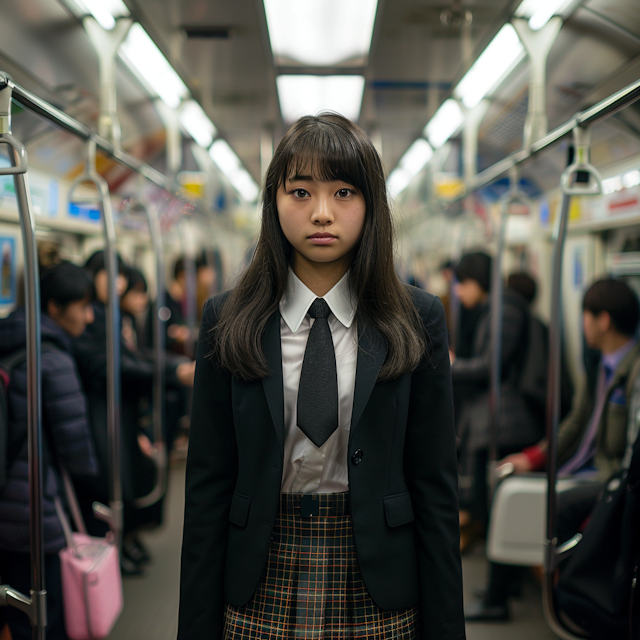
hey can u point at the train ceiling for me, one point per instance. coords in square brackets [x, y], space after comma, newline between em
[419, 50]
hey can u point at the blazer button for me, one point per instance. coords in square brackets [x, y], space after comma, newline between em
[356, 458]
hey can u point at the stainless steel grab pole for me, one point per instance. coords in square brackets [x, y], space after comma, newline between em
[35, 606]
[569, 189]
[159, 454]
[513, 196]
[191, 285]
[114, 515]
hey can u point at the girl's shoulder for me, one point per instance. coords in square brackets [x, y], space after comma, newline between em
[213, 307]
[426, 303]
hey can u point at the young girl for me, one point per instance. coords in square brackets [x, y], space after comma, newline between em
[321, 478]
[65, 295]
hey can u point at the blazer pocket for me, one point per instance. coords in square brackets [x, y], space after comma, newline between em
[239, 512]
[398, 509]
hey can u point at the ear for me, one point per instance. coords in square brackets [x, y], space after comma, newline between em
[53, 309]
[604, 321]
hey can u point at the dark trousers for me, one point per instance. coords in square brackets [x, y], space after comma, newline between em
[15, 570]
[574, 507]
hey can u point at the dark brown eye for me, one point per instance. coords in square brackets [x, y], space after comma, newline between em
[344, 193]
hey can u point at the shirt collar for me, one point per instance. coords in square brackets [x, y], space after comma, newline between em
[613, 360]
[298, 298]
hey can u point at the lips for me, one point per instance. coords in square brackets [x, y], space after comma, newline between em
[322, 238]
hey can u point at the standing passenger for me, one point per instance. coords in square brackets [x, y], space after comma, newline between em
[65, 296]
[321, 478]
[519, 425]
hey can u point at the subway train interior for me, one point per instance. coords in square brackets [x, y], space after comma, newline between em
[135, 137]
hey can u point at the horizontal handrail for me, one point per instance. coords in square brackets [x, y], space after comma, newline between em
[600, 111]
[41, 107]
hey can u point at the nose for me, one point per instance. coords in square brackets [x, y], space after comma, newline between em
[89, 317]
[322, 212]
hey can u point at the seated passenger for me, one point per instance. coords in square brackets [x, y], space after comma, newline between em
[519, 425]
[66, 294]
[592, 438]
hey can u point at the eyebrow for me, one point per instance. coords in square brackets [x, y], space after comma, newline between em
[299, 177]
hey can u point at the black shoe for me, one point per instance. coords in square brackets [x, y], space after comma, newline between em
[129, 567]
[478, 611]
[135, 551]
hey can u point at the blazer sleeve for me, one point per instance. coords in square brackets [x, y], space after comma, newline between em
[211, 477]
[431, 473]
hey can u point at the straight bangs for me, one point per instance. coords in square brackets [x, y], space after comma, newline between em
[324, 152]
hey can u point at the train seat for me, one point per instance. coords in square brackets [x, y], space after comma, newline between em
[518, 515]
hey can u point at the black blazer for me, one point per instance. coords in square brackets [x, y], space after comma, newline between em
[402, 482]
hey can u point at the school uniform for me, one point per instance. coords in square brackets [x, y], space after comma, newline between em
[355, 538]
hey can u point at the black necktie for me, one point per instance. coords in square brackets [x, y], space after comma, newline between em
[318, 390]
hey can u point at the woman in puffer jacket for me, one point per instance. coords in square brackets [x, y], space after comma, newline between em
[66, 295]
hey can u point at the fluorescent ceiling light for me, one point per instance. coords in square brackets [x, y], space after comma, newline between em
[307, 95]
[416, 156]
[493, 64]
[410, 165]
[104, 11]
[197, 123]
[445, 122]
[398, 181]
[229, 163]
[320, 32]
[244, 185]
[140, 52]
[540, 12]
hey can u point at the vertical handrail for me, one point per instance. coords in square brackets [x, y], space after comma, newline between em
[35, 606]
[513, 196]
[159, 452]
[113, 516]
[569, 189]
[188, 246]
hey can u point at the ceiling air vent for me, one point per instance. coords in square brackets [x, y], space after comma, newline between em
[208, 33]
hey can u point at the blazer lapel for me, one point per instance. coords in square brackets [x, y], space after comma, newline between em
[372, 351]
[273, 384]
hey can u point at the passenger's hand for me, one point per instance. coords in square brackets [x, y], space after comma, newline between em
[520, 462]
[186, 372]
[145, 445]
[178, 332]
[452, 356]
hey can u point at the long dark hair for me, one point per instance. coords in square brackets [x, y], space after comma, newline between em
[328, 147]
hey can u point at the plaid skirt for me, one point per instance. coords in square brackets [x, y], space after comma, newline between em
[312, 586]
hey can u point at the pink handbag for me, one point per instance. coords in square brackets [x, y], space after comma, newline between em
[91, 579]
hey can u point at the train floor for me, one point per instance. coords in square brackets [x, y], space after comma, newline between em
[151, 601]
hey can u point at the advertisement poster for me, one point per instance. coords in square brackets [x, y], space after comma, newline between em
[8, 270]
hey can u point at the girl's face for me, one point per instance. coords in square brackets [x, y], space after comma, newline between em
[101, 284]
[135, 301]
[323, 220]
[74, 317]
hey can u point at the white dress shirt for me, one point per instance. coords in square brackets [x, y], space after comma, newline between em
[307, 468]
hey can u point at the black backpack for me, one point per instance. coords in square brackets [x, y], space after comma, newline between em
[8, 363]
[597, 584]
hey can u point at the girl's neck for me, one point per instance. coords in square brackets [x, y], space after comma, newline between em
[319, 277]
